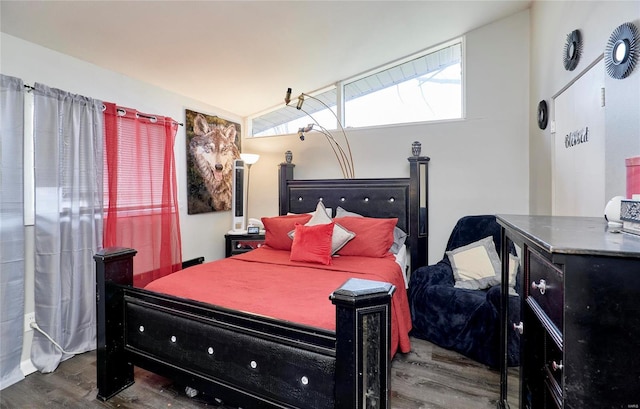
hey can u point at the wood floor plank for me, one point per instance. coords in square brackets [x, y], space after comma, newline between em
[429, 377]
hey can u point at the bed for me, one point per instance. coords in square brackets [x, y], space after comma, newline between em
[262, 360]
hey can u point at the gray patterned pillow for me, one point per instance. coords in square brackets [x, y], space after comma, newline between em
[341, 236]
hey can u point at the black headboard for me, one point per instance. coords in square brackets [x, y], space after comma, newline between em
[392, 197]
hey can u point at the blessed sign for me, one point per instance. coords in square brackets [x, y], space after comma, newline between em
[576, 137]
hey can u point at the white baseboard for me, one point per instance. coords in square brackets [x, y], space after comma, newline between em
[27, 367]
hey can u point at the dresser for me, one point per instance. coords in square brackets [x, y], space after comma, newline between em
[580, 314]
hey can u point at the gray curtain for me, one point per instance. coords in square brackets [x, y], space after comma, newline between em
[11, 229]
[68, 139]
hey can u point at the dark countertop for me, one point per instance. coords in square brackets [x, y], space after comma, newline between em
[573, 235]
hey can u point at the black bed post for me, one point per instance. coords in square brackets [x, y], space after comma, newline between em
[114, 268]
[285, 172]
[418, 210]
[363, 333]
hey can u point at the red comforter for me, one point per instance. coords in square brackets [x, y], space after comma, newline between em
[265, 282]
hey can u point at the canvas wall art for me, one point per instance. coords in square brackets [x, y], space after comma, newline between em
[213, 144]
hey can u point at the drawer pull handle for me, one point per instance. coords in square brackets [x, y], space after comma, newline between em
[542, 286]
[556, 366]
[519, 327]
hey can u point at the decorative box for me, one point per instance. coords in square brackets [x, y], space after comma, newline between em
[630, 215]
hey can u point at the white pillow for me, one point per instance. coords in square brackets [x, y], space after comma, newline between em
[476, 266]
[513, 271]
[341, 236]
[328, 210]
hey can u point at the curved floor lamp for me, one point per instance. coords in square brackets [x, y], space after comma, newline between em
[345, 158]
[249, 159]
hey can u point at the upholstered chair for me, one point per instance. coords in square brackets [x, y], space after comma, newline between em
[465, 320]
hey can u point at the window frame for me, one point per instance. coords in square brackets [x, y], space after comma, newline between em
[340, 94]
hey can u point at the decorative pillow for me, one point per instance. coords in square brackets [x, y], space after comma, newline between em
[328, 210]
[513, 272]
[476, 266]
[399, 236]
[277, 229]
[340, 237]
[312, 243]
[373, 236]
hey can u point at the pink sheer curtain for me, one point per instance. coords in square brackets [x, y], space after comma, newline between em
[141, 206]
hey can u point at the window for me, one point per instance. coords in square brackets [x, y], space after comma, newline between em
[427, 88]
[288, 119]
[424, 87]
[140, 152]
[140, 191]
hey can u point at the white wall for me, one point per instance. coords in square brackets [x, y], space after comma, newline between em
[478, 165]
[551, 21]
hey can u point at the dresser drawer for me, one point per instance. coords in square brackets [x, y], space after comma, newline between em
[553, 366]
[243, 245]
[552, 396]
[546, 287]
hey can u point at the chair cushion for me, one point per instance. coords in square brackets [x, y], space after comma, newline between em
[475, 266]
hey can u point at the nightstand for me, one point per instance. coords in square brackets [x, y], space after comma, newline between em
[241, 243]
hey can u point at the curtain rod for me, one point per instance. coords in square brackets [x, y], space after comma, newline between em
[154, 118]
[31, 88]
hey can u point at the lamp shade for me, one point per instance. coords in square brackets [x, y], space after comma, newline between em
[249, 158]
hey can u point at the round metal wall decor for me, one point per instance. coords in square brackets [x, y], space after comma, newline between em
[572, 50]
[543, 115]
[621, 53]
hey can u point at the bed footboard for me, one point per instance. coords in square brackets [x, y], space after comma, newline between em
[114, 269]
[363, 337]
[246, 360]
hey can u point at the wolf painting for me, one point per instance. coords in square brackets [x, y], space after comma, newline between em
[212, 147]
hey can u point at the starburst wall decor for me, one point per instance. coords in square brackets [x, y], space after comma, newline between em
[621, 53]
[572, 50]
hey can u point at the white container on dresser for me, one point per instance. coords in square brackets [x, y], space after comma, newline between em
[580, 312]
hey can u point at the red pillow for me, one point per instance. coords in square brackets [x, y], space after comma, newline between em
[312, 243]
[277, 229]
[374, 236]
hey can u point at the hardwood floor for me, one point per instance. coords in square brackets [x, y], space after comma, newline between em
[428, 377]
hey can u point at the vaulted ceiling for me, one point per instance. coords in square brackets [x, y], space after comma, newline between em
[242, 55]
